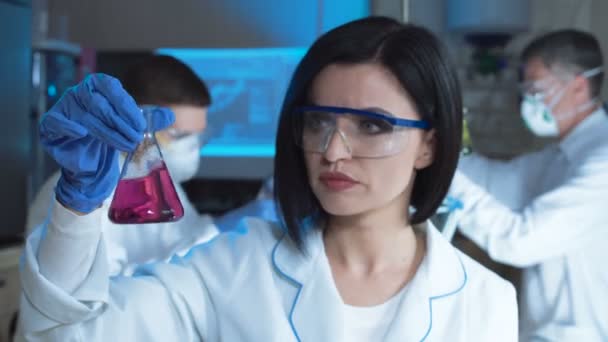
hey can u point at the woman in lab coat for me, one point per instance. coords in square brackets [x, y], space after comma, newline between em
[370, 127]
[160, 80]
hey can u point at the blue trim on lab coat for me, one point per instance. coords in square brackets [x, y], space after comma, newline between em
[300, 285]
[291, 280]
[464, 282]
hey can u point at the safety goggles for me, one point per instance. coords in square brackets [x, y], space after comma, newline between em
[550, 85]
[365, 134]
[178, 134]
[536, 90]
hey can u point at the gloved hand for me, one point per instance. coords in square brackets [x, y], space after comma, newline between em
[85, 130]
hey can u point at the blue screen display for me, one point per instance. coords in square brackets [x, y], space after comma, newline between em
[247, 88]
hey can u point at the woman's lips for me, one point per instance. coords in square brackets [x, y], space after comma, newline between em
[337, 181]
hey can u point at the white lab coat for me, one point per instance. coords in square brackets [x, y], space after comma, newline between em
[133, 244]
[251, 284]
[547, 212]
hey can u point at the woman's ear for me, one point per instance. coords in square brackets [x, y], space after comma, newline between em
[426, 151]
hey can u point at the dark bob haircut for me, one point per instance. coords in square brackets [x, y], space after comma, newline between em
[418, 60]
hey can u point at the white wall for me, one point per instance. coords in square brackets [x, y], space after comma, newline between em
[390, 8]
[599, 26]
[555, 14]
[145, 24]
[149, 24]
[430, 13]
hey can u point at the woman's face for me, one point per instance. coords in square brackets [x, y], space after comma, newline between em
[377, 183]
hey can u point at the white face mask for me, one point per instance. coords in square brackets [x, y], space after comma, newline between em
[182, 157]
[540, 118]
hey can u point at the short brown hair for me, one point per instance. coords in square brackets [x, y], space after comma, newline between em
[164, 80]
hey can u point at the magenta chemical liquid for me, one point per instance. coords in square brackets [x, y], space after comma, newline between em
[149, 199]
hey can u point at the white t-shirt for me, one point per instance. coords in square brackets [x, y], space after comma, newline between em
[370, 323]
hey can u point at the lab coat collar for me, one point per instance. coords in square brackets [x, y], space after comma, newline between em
[440, 275]
[594, 127]
[316, 307]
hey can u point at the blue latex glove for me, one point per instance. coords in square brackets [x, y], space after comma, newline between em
[85, 130]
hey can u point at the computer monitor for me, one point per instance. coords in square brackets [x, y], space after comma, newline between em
[247, 87]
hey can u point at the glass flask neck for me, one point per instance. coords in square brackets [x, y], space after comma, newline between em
[148, 112]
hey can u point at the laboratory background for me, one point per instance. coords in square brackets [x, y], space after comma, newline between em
[246, 52]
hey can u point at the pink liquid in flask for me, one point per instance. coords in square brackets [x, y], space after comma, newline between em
[149, 199]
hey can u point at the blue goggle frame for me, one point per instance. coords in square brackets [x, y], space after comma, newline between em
[421, 124]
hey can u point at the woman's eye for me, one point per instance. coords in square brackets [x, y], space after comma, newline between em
[316, 121]
[375, 126]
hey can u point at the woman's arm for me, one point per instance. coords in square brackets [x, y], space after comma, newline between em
[69, 295]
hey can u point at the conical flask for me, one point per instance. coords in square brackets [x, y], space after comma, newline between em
[145, 191]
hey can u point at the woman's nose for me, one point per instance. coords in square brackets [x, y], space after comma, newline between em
[337, 147]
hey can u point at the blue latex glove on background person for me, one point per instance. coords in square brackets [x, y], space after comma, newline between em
[84, 132]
